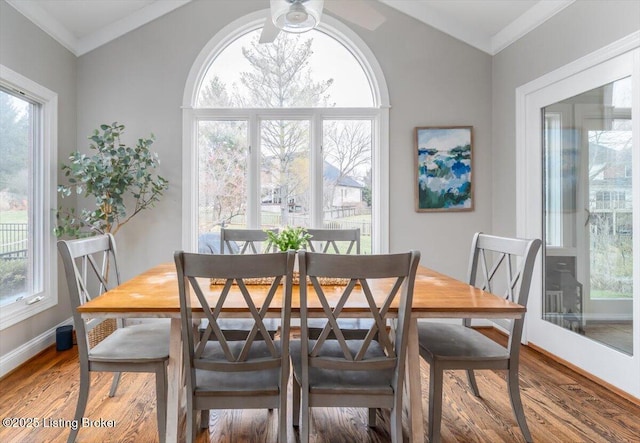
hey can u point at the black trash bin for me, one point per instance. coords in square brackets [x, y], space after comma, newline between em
[64, 338]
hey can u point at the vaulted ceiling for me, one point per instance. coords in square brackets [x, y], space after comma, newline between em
[489, 25]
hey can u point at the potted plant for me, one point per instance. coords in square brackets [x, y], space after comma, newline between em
[117, 175]
[289, 238]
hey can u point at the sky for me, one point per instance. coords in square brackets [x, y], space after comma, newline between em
[330, 60]
[443, 139]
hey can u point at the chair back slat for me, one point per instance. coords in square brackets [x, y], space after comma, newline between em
[360, 270]
[326, 240]
[249, 239]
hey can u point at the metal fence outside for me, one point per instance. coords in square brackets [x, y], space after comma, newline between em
[14, 239]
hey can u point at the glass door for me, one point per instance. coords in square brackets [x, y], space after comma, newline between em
[585, 309]
[588, 215]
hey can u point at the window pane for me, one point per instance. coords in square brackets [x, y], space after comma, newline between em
[589, 215]
[611, 209]
[222, 169]
[296, 70]
[16, 198]
[284, 173]
[347, 177]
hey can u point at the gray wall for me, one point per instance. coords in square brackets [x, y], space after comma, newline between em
[433, 79]
[27, 50]
[578, 30]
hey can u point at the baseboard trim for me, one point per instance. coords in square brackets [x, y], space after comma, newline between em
[586, 374]
[578, 370]
[13, 359]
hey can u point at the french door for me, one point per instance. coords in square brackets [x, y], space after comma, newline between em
[579, 132]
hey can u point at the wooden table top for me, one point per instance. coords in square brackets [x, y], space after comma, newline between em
[155, 293]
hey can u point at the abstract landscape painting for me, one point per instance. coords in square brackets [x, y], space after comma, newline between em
[444, 168]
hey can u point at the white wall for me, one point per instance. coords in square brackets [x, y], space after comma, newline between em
[27, 50]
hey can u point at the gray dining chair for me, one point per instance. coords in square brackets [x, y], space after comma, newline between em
[458, 346]
[241, 374]
[91, 269]
[244, 241]
[330, 240]
[361, 373]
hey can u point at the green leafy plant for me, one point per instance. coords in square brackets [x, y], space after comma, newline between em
[13, 276]
[117, 175]
[289, 238]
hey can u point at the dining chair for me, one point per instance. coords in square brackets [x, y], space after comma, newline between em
[342, 372]
[458, 346]
[91, 269]
[326, 240]
[330, 241]
[240, 374]
[246, 241]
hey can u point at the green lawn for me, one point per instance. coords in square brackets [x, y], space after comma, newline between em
[596, 294]
[13, 217]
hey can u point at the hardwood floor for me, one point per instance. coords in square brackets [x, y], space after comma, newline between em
[618, 335]
[560, 405]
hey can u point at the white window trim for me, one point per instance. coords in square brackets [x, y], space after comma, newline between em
[48, 297]
[379, 114]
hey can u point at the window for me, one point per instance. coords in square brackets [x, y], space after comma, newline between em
[289, 133]
[27, 193]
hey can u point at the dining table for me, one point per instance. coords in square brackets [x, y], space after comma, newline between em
[154, 294]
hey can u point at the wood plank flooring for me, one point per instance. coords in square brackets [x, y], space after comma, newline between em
[560, 405]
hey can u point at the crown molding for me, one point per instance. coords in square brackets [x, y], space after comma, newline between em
[524, 24]
[527, 22]
[80, 46]
[48, 24]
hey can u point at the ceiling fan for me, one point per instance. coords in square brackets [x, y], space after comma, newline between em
[303, 15]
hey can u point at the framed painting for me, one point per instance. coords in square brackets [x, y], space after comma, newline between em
[444, 169]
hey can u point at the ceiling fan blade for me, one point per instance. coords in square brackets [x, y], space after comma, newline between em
[359, 12]
[269, 31]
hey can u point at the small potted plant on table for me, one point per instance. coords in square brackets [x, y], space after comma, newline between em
[290, 239]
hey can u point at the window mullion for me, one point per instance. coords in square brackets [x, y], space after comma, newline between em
[316, 170]
[253, 182]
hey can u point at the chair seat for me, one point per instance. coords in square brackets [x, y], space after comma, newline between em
[456, 342]
[352, 328]
[352, 382]
[145, 342]
[238, 328]
[246, 383]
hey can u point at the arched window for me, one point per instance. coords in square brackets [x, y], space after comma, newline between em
[289, 133]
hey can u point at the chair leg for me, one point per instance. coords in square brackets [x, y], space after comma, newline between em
[83, 395]
[296, 403]
[395, 417]
[373, 412]
[161, 401]
[204, 419]
[191, 422]
[282, 415]
[306, 419]
[114, 383]
[513, 382]
[472, 382]
[435, 402]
